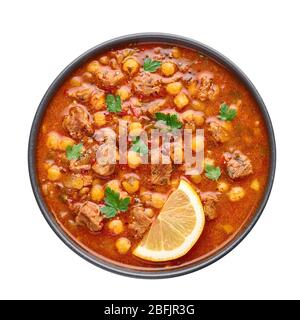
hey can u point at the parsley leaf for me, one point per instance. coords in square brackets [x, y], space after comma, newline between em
[211, 172]
[113, 203]
[139, 146]
[171, 120]
[109, 212]
[151, 65]
[227, 113]
[113, 103]
[74, 152]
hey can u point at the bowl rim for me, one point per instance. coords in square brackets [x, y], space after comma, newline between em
[122, 41]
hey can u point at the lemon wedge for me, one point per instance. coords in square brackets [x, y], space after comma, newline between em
[177, 227]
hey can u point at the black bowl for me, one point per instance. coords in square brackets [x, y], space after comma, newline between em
[108, 45]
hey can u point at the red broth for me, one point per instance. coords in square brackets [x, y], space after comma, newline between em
[205, 85]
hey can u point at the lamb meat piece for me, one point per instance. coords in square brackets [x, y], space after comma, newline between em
[161, 174]
[147, 84]
[210, 200]
[154, 106]
[109, 77]
[78, 122]
[103, 166]
[219, 130]
[88, 214]
[140, 222]
[238, 164]
[82, 164]
[207, 90]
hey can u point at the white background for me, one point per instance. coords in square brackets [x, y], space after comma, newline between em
[39, 38]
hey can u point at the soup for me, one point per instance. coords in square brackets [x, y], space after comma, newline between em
[152, 215]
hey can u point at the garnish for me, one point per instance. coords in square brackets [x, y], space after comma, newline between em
[113, 103]
[212, 172]
[113, 203]
[227, 113]
[74, 152]
[171, 120]
[139, 146]
[151, 65]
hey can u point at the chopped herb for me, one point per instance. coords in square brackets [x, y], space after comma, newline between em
[74, 152]
[171, 120]
[113, 103]
[113, 203]
[139, 146]
[151, 65]
[227, 113]
[212, 172]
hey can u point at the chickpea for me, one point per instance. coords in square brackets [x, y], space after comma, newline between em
[236, 194]
[134, 159]
[176, 53]
[123, 245]
[196, 178]
[93, 67]
[197, 143]
[198, 119]
[53, 140]
[114, 185]
[135, 128]
[65, 142]
[124, 93]
[76, 82]
[209, 161]
[54, 173]
[97, 193]
[198, 105]
[168, 68]
[222, 186]
[149, 213]
[84, 191]
[174, 87]
[255, 185]
[131, 66]
[116, 226]
[157, 200]
[188, 115]
[104, 60]
[98, 101]
[73, 182]
[181, 100]
[99, 119]
[131, 185]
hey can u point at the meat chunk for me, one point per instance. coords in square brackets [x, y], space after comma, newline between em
[140, 223]
[220, 130]
[88, 93]
[210, 200]
[88, 214]
[109, 77]
[104, 166]
[85, 160]
[207, 90]
[147, 84]
[153, 106]
[238, 164]
[161, 174]
[78, 122]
